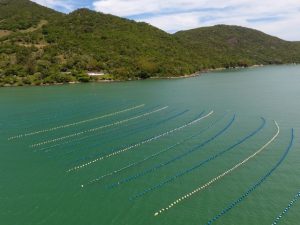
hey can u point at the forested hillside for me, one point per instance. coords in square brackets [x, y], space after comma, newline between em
[41, 46]
[230, 46]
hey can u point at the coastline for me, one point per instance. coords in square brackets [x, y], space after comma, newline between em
[196, 74]
[57, 84]
[199, 73]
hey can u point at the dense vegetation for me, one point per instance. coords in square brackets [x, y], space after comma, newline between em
[41, 46]
[232, 46]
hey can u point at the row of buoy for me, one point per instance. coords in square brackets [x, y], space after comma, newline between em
[151, 156]
[138, 144]
[48, 149]
[256, 185]
[171, 118]
[295, 199]
[75, 123]
[119, 136]
[132, 164]
[188, 195]
[187, 171]
[133, 131]
[98, 128]
[160, 165]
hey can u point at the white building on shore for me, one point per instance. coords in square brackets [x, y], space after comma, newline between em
[95, 73]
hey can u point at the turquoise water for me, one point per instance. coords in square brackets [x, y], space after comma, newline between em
[137, 147]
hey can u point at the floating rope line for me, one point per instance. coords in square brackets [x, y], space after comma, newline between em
[251, 189]
[139, 129]
[139, 144]
[45, 116]
[202, 163]
[98, 128]
[151, 156]
[296, 198]
[160, 165]
[188, 195]
[75, 123]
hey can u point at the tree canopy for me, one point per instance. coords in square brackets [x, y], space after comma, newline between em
[41, 46]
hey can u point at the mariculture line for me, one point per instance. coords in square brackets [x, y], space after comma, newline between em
[160, 165]
[128, 134]
[285, 211]
[138, 130]
[227, 172]
[75, 123]
[99, 128]
[139, 144]
[256, 185]
[153, 155]
[202, 163]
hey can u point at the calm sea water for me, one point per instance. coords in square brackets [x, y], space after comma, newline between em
[55, 139]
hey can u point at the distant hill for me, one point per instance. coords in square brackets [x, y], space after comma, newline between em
[39, 45]
[22, 14]
[230, 46]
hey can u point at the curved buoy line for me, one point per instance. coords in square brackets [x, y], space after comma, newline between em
[199, 189]
[140, 143]
[132, 131]
[45, 116]
[202, 163]
[98, 128]
[121, 134]
[256, 185]
[136, 130]
[160, 165]
[151, 156]
[285, 211]
[75, 123]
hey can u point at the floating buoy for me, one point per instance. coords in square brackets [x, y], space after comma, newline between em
[97, 128]
[141, 143]
[158, 166]
[296, 198]
[75, 123]
[195, 148]
[258, 183]
[233, 168]
[153, 155]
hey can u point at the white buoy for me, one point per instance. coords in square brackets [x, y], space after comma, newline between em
[102, 127]
[150, 139]
[232, 169]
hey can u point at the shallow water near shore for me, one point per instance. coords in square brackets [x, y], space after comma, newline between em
[135, 147]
